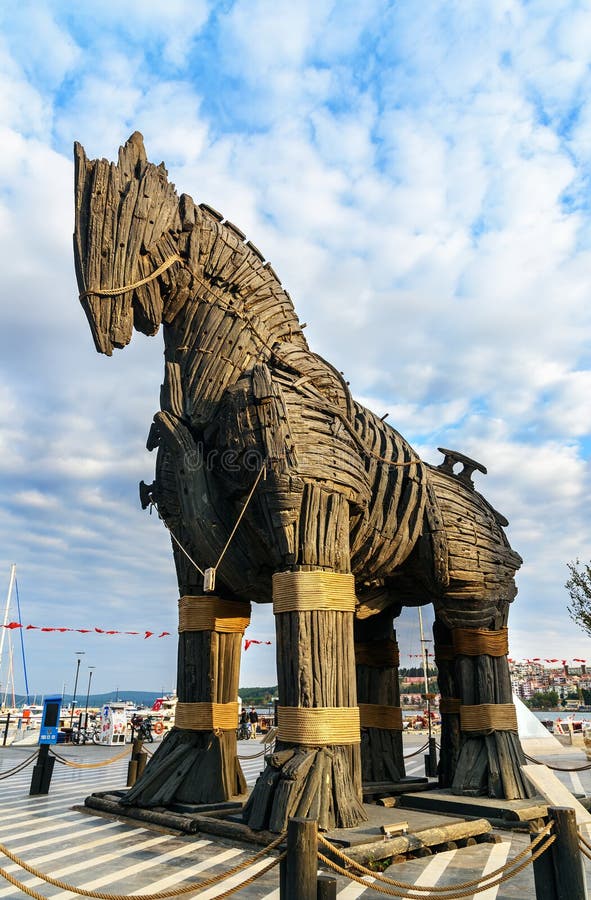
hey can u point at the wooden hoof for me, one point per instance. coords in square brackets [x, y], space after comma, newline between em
[306, 782]
[190, 767]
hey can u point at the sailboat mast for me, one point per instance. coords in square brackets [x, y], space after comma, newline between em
[423, 650]
[7, 611]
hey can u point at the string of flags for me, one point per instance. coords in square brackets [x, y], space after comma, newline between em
[146, 634]
[12, 626]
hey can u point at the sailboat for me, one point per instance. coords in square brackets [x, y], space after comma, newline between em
[17, 722]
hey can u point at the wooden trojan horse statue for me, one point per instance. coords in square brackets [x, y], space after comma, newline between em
[276, 486]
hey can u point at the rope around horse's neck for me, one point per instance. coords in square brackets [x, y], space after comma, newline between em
[113, 292]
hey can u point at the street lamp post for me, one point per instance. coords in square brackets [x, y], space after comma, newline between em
[79, 653]
[90, 669]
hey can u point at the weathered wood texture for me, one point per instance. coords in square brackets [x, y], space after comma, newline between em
[197, 766]
[344, 491]
[382, 756]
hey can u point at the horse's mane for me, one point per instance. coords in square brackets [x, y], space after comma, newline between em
[237, 273]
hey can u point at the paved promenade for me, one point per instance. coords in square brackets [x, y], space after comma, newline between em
[127, 859]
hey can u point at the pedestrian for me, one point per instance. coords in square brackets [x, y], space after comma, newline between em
[244, 724]
[253, 718]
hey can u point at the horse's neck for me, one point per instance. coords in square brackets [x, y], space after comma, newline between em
[232, 314]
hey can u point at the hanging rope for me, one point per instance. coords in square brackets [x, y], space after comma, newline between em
[449, 892]
[96, 765]
[557, 768]
[213, 569]
[19, 767]
[114, 292]
[159, 895]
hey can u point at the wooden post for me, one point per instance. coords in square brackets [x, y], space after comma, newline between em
[327, 888]
[299, 882]
[566, 856]
[132, 772]
[544, 875]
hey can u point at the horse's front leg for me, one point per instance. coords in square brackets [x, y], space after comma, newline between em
[197, 762]
[315, 771]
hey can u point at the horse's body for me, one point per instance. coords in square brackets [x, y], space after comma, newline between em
[343, 492]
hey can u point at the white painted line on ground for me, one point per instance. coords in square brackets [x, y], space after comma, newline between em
[48, 841]
[41, 862]
[95, 861]
[173, 880]
[235, 879]
[577, 783]
[119, 874]
[498, 857]
[37, 825]
[354, 890]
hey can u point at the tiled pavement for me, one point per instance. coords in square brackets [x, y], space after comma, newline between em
[127, 859]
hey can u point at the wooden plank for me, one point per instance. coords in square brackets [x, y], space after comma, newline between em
[549, 786]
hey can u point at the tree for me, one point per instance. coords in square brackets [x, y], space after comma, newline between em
[579, 588]
[546, 700]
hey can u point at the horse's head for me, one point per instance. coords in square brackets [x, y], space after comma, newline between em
[127, 225]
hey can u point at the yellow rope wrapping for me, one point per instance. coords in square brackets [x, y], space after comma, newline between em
[449, 705]
[96, 765]
[488, 717]
[206, 716]
[113, 292]
[319, 726]
[374, 715]
[159, 895]
[297, 591]
[480, 642]
[209, 613]
[377, 654]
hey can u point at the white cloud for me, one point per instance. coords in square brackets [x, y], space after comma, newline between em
[418, 178]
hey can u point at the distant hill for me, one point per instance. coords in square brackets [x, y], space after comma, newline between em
[258, 696]
[140, 698]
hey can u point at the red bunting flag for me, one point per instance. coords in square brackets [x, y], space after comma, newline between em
[250, 641]
[62, 629]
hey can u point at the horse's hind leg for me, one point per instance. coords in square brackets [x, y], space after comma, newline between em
[481, 753]
[315, 771]
[378, 694]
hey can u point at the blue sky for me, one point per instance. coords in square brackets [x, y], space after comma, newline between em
[418, 175]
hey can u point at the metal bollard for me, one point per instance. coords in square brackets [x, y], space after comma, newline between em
[42, 771]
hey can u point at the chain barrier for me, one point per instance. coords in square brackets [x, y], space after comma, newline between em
[538, 762]
[97, 765]
[255, 755]
[416, 752]
[159, 895]
[19, 767]
[450, 892]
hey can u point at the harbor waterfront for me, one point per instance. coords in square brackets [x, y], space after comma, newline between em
[57, 835]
